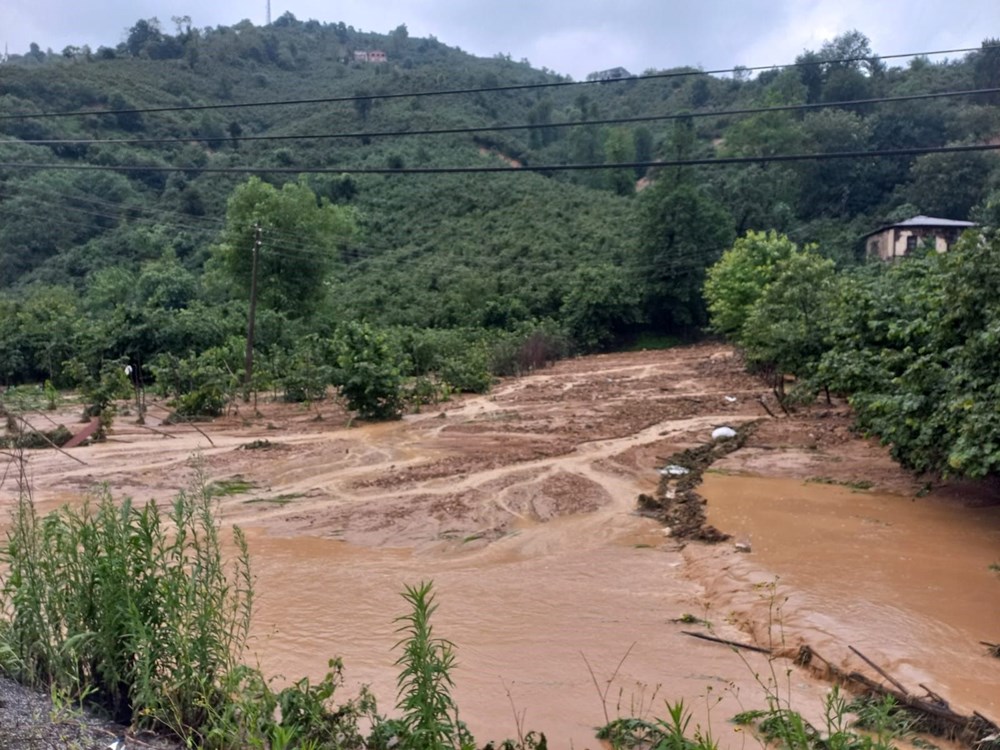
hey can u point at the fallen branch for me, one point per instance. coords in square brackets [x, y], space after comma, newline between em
[935, 716]
[898, 685]
[158, 432]
[45, 437]
[187, 422]
[767, 408]
[725, 642]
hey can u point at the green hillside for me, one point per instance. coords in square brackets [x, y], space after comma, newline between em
[150, 263]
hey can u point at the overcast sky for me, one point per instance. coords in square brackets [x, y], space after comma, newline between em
[572, 37]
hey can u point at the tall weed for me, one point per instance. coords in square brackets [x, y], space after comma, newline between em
[126, 607]
[430, 715]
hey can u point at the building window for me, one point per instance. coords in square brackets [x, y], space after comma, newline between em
[911, 243]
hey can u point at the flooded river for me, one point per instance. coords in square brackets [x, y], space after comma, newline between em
[906, 582]
[561, 602]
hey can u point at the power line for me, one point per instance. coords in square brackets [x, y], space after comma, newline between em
[703, 162]
[501, 128]
[480, 90]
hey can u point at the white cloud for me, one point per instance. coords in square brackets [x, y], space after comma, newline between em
[569, 37]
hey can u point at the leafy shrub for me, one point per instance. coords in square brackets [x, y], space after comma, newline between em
[127, 607]
[367, 371]
[200, 385]
[305, 375]
[469, 371]
[528, 350]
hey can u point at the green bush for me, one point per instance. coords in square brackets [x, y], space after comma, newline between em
[367, 371]
[127, 607]
[200, 385]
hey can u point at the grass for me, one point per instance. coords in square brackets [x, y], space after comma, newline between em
[226, 487]
[276, 500]
[126, 607]
[859, 485]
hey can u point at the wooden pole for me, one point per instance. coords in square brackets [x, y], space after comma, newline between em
[248, 373]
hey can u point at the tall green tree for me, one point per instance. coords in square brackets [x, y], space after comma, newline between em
[683, 232]
[300, 238]
[742, 275]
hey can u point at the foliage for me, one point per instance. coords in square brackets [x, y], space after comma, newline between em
[304, 372]
[669, 733]
[430, 715]
[737, 281]
[200, 385]
[367, 371]
[877, 726]
[300, 237]
[301, 715]
[127, 607]
[600, 307]
[102, 388]
[684, 232]
[787, 326]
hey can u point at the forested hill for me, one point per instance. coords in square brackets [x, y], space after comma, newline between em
[156, 244]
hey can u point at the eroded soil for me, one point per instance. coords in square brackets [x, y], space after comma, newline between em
[521, 506]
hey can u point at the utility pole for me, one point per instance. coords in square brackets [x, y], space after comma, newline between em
[248, 374]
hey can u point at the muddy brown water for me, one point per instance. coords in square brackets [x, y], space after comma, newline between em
[906, 582]
[520, 507]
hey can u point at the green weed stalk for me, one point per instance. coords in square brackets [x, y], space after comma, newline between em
[126, 607]
[430, 715]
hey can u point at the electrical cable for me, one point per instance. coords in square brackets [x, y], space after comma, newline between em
[480, 90]
[526, 168]
[501, 128]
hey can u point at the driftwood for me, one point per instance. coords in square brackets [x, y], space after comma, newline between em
[877, 668]
[190, 423]
[935, 715]
[725, 642]
[45, 437]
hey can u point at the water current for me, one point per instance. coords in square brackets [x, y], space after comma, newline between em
[539, 616]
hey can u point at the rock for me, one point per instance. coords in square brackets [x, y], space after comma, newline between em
[674, 470]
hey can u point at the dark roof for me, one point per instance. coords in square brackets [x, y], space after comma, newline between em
[926, 222]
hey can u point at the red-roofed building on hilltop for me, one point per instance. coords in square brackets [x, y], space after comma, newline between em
[369, 55]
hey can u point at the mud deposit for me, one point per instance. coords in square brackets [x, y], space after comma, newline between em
[520, 506]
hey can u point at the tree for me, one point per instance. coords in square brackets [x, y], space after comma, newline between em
[620, 148]
[144, 33]
[600, 306]
[788, 325]
[683, 232]
[742, 275]
[301, 237]
[367, 371]
[986, 73]
[949, 185]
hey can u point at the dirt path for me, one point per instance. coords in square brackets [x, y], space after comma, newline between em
[520, 505]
